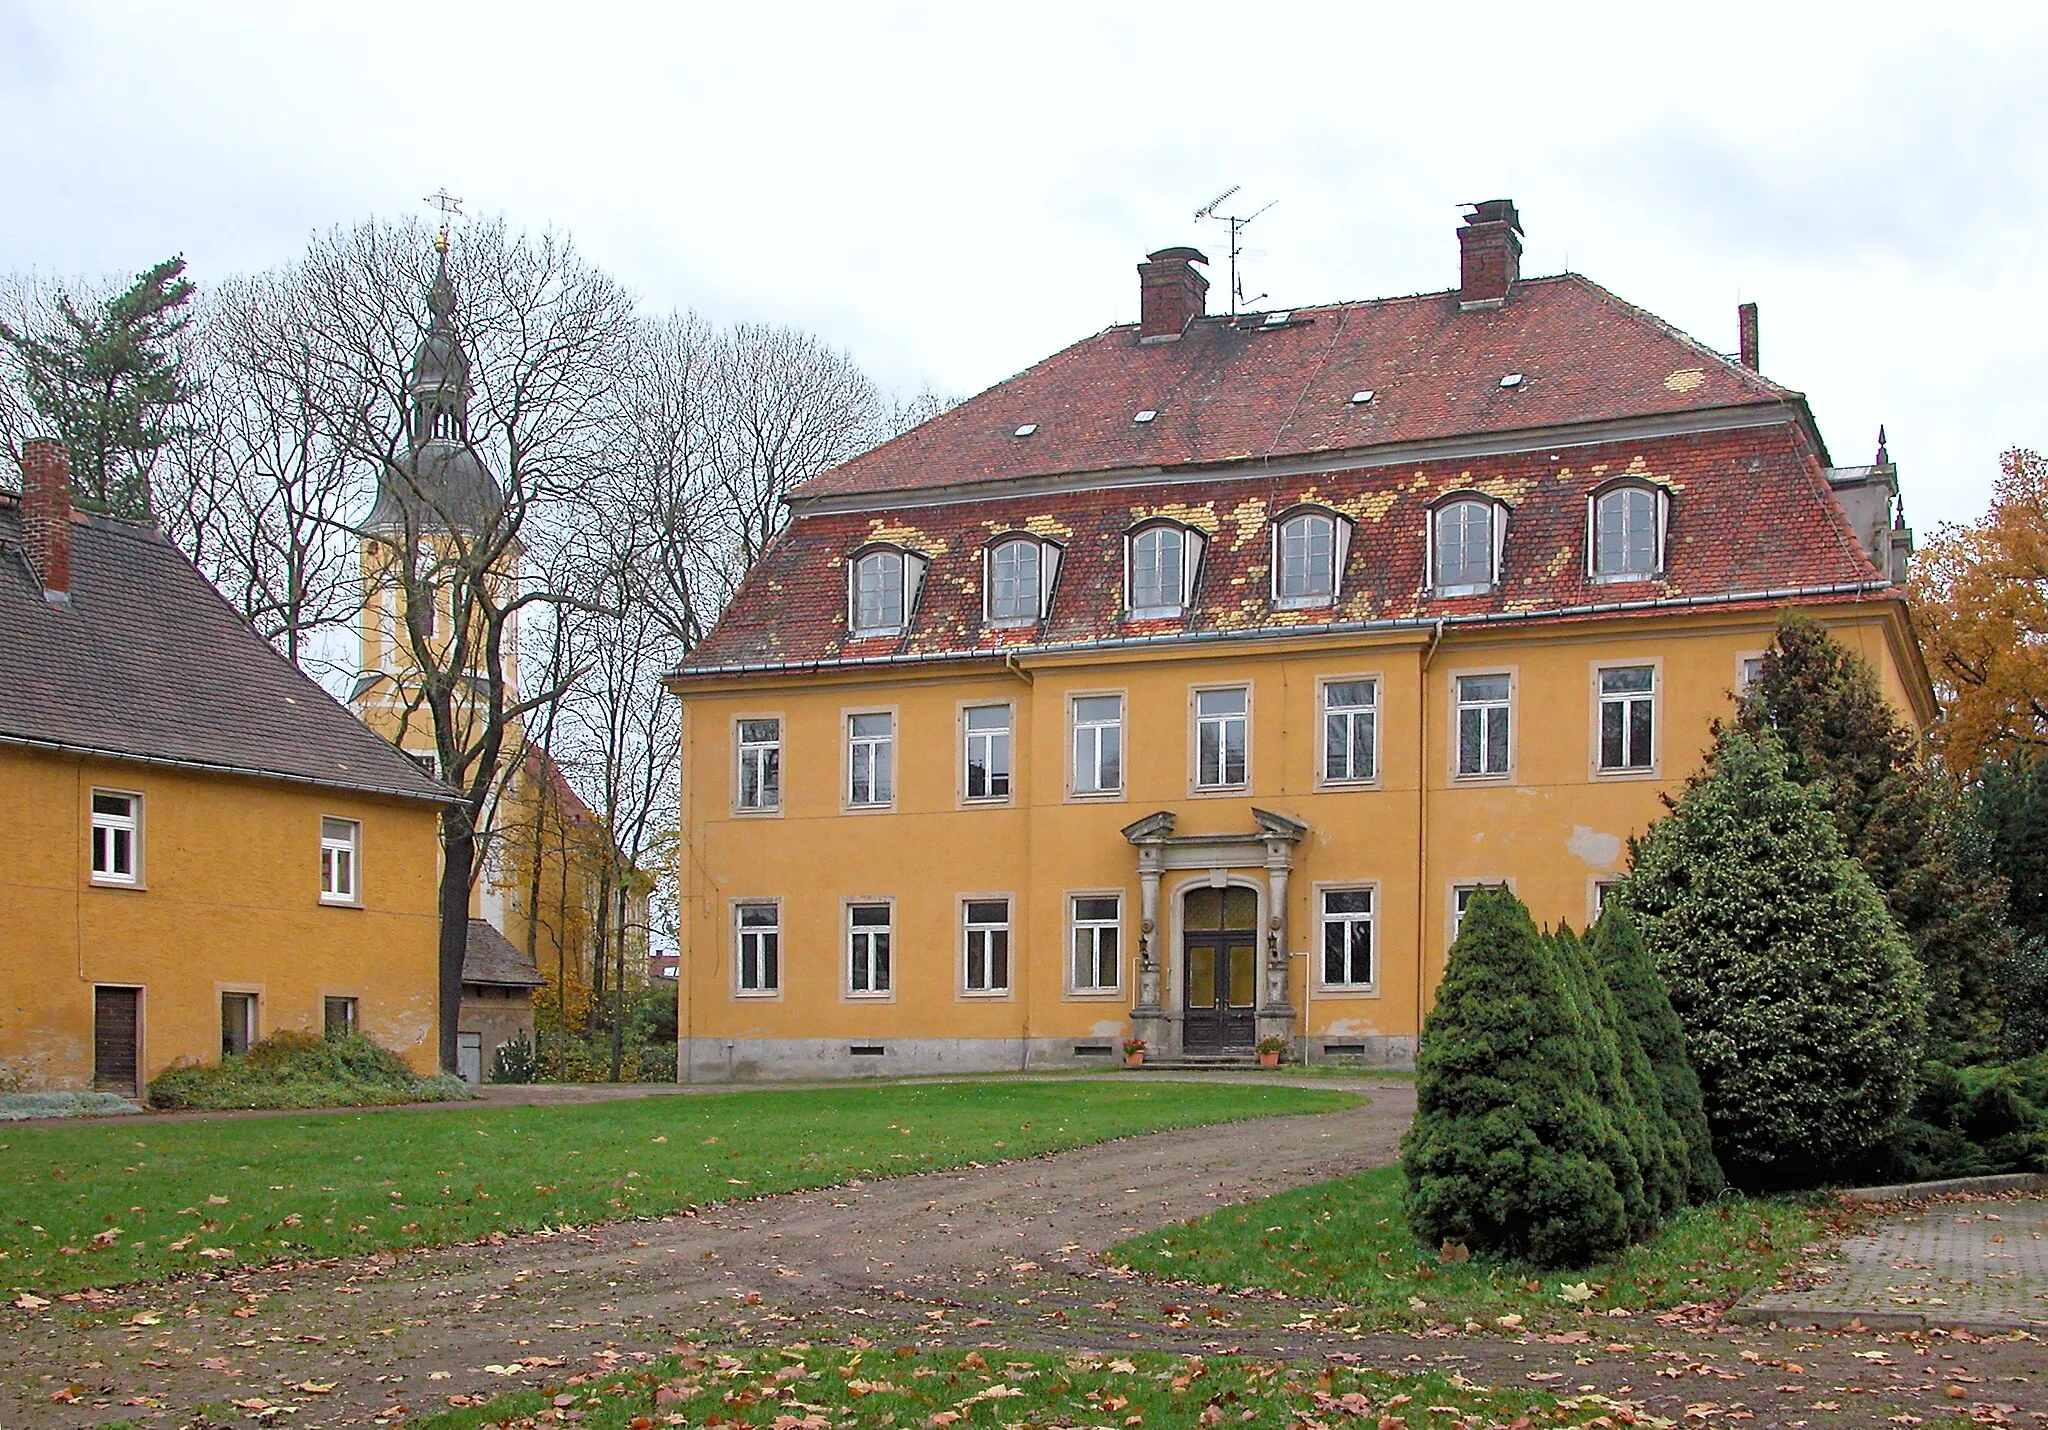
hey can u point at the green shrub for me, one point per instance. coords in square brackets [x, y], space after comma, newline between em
[1801, 1001]
[1508, 1152]
[515, 1061]
[1645, 1005]
[2023, 988]
[1969, 1122]
[1630, 1153]
[300, 1070]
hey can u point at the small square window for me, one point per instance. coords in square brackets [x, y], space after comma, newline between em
[340, 854]
[338, 1017]
[237, 1023]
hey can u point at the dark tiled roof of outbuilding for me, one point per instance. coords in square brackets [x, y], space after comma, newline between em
[147, 661]
[1750, 512]
[489, 959]
[1231, 390]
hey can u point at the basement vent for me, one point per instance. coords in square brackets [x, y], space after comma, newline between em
[867, 1050]
[1091, 1050]
[1344, 1050]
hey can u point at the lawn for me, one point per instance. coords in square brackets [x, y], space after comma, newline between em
[111, 1203]
[801, 1387]
[1346, 1241]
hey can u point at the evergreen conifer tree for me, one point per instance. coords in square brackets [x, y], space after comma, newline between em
[1645, 1006]
[1633, 1153]
[1508, 1150]
[107, 381]
[1896, 818]
[1802, 1004]
[2008, 802]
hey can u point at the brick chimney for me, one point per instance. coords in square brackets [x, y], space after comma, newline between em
[1745, 323]
[46, 514]
[1170, 293]
[1489, 253]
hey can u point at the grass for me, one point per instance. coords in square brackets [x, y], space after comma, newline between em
[801, 1387]
[1345, 1240]
[108, 1204]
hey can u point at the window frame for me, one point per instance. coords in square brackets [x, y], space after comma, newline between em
[1193, 544]
[1596, 893]
[1340, 550]
[252, 1024]
[1497, 519]
[352, 896]
[968, 928]
[1196, 719]
[736, 919]
[1072, 734]
[353, 1023]
[1049, 555]
[1454, 916]
[1743, 681]
[740, 748]
[131, 824]
[1323, 779]
[1601, 771]
[847, 991]
[1456, 733]
[847, 803]
[965, 745]
[1074, 924]
[1319, 986]
[1660, 518]
[910, 571]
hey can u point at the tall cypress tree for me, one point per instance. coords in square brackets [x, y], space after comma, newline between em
[1507, 1153]
[108, 381]
[1844, 739]
[1802, 1004]
[2008, 803]
[1632, 1153]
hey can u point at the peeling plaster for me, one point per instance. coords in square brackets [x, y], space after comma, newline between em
[1105, 1030]
[1600, 851]
[1351, 1028]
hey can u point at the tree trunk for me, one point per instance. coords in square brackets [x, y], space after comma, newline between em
[458, 859]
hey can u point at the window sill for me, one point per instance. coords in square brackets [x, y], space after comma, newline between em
[1304, 603]
[1649, 772]
[987, 801]
[341, 903]
[1011, 623]
[1484, 588]
[133, 886]
[1501, 779]
[878, 633]
[1214, 791]
[1345, 990]
[1155, 613]
[739, 813]
[867, 808]
[984, 995]
[887, 996]
[1624, 578]
[1094, 995]
[1371, 782]
[1113, 796]
[758, 995]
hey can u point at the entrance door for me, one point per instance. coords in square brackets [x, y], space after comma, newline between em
[469, 1057]
[1220, 969]
[116, 1037]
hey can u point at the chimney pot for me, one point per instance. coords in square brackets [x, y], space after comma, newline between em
[46, 514]
[1489, 253]
[1171, 294]
[1745, 323]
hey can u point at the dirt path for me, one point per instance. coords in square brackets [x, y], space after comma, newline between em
[1003, 1255]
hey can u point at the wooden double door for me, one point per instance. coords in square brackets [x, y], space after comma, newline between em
[1219, 970]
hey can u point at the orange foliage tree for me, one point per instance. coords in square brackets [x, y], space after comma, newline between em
[1980, 598]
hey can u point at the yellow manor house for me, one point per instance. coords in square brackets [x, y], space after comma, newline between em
[1185, 685]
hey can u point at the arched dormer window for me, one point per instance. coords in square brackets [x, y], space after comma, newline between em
[1309, 547]
[883, 583]
[1018, 579]
[1625, 529]
[1466, 534]
[1161, 563]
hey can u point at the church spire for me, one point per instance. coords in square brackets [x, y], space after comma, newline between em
[438, 383]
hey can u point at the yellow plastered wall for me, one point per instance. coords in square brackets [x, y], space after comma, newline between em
[1552, 828]
[229, 900]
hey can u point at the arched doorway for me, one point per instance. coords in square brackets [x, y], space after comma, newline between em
[1220, 968]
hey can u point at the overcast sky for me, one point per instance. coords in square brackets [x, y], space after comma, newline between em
[951, 191]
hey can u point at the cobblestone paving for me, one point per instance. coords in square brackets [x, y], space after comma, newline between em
[1973, 1263]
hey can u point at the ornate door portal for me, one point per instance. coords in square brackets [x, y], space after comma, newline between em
[1220, 977]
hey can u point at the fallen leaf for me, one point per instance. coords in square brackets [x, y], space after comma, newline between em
[1575, 1292]
[316, 1387]
[28, 1302]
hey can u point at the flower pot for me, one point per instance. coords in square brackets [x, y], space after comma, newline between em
[1269, 1060]
[1134, 1060]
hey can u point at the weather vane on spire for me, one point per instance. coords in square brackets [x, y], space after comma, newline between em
[451, 209]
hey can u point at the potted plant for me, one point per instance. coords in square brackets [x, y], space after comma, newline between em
[1270, 1048]
[1134, 1052]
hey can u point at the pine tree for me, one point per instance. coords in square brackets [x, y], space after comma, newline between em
[1802, 1004]
[1506, 1151]
[1895, 817]
[1645, 1005]
[2008, 806]
[1633, 1153]
[107, 382]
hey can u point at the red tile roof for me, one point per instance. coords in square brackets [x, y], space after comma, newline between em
[1750, 512]
[1229, 390]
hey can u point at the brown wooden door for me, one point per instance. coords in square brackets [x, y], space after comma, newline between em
[116, 1039]
[1219, 970]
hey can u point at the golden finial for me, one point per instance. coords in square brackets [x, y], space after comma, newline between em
[451, 209]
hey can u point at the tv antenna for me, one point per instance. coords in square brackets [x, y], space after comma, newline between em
[1238, 223]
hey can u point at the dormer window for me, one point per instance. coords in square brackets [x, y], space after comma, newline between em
[1019, 579]
[1626, 532]
[1465, 546]
[1163, 562]
[1308, 558]
[884, 584]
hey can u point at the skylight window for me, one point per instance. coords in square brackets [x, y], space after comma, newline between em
[1146, 416]
[1361, 397]
[1513, 379]
[1027, 429]
[1277, 320]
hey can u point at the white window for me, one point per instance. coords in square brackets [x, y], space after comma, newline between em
[1464, 547]
[340, 850]
[1603, 890]
[1163, 564]
[760, 765]
[1307, 559]
[1020, 578]
[338, 1017]
[757, 938]
[867, 948]
[870, 759]
[1461, 899]
[885, 585]
[987, 946]
[1628, 703]
[1098, 744]
[1748, 671]
[1350, 730]
[988, 751]
[1347, 938]
[1221, 721]
[1483, 732]
[1627, 533]
[1098, 955]
[237, 1022]
[116, 837]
